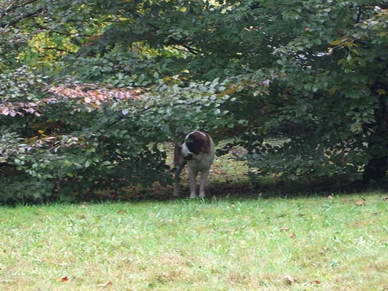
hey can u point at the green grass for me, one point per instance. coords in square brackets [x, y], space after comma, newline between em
[244, 237]
[302, 243]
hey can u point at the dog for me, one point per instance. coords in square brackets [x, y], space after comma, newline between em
[198, 152]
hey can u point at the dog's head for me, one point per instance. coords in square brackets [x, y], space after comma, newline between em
[196, 142]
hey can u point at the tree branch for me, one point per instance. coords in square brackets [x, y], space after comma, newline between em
[58, 49]
[22, 17]
[359, 14]
[13, 7]
[68, 34]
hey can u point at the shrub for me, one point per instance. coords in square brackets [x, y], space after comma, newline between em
[85, 142]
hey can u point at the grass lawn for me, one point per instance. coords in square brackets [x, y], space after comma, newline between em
[302, 243]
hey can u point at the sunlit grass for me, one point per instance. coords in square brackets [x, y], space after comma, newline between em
[327, 243]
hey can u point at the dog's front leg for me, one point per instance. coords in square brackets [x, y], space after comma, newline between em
[179, 164]
[177, 184]
[202, 183]
[193, 182]
[177, 178]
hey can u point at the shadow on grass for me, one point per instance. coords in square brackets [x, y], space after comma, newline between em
[265, 188]
[262, 188]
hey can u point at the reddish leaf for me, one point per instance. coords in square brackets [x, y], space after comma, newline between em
[63, 279]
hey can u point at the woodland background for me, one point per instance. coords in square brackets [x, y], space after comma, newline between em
[91, 91]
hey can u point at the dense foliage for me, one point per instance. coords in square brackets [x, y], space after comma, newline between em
[312, 74]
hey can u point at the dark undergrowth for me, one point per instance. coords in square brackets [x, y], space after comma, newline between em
[230, 179]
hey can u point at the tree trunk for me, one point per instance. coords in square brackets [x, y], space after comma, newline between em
[375, 169]
[377, 166]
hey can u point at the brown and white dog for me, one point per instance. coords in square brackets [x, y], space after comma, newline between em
[197, 151]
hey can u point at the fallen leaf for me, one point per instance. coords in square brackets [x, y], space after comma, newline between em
[292, 235]
[288, 280]
[284, 228]
[106, 284]
[346, 200]
[361, 223]
[316, 282]
[63, 279]
[122, 212]
[360, 202]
